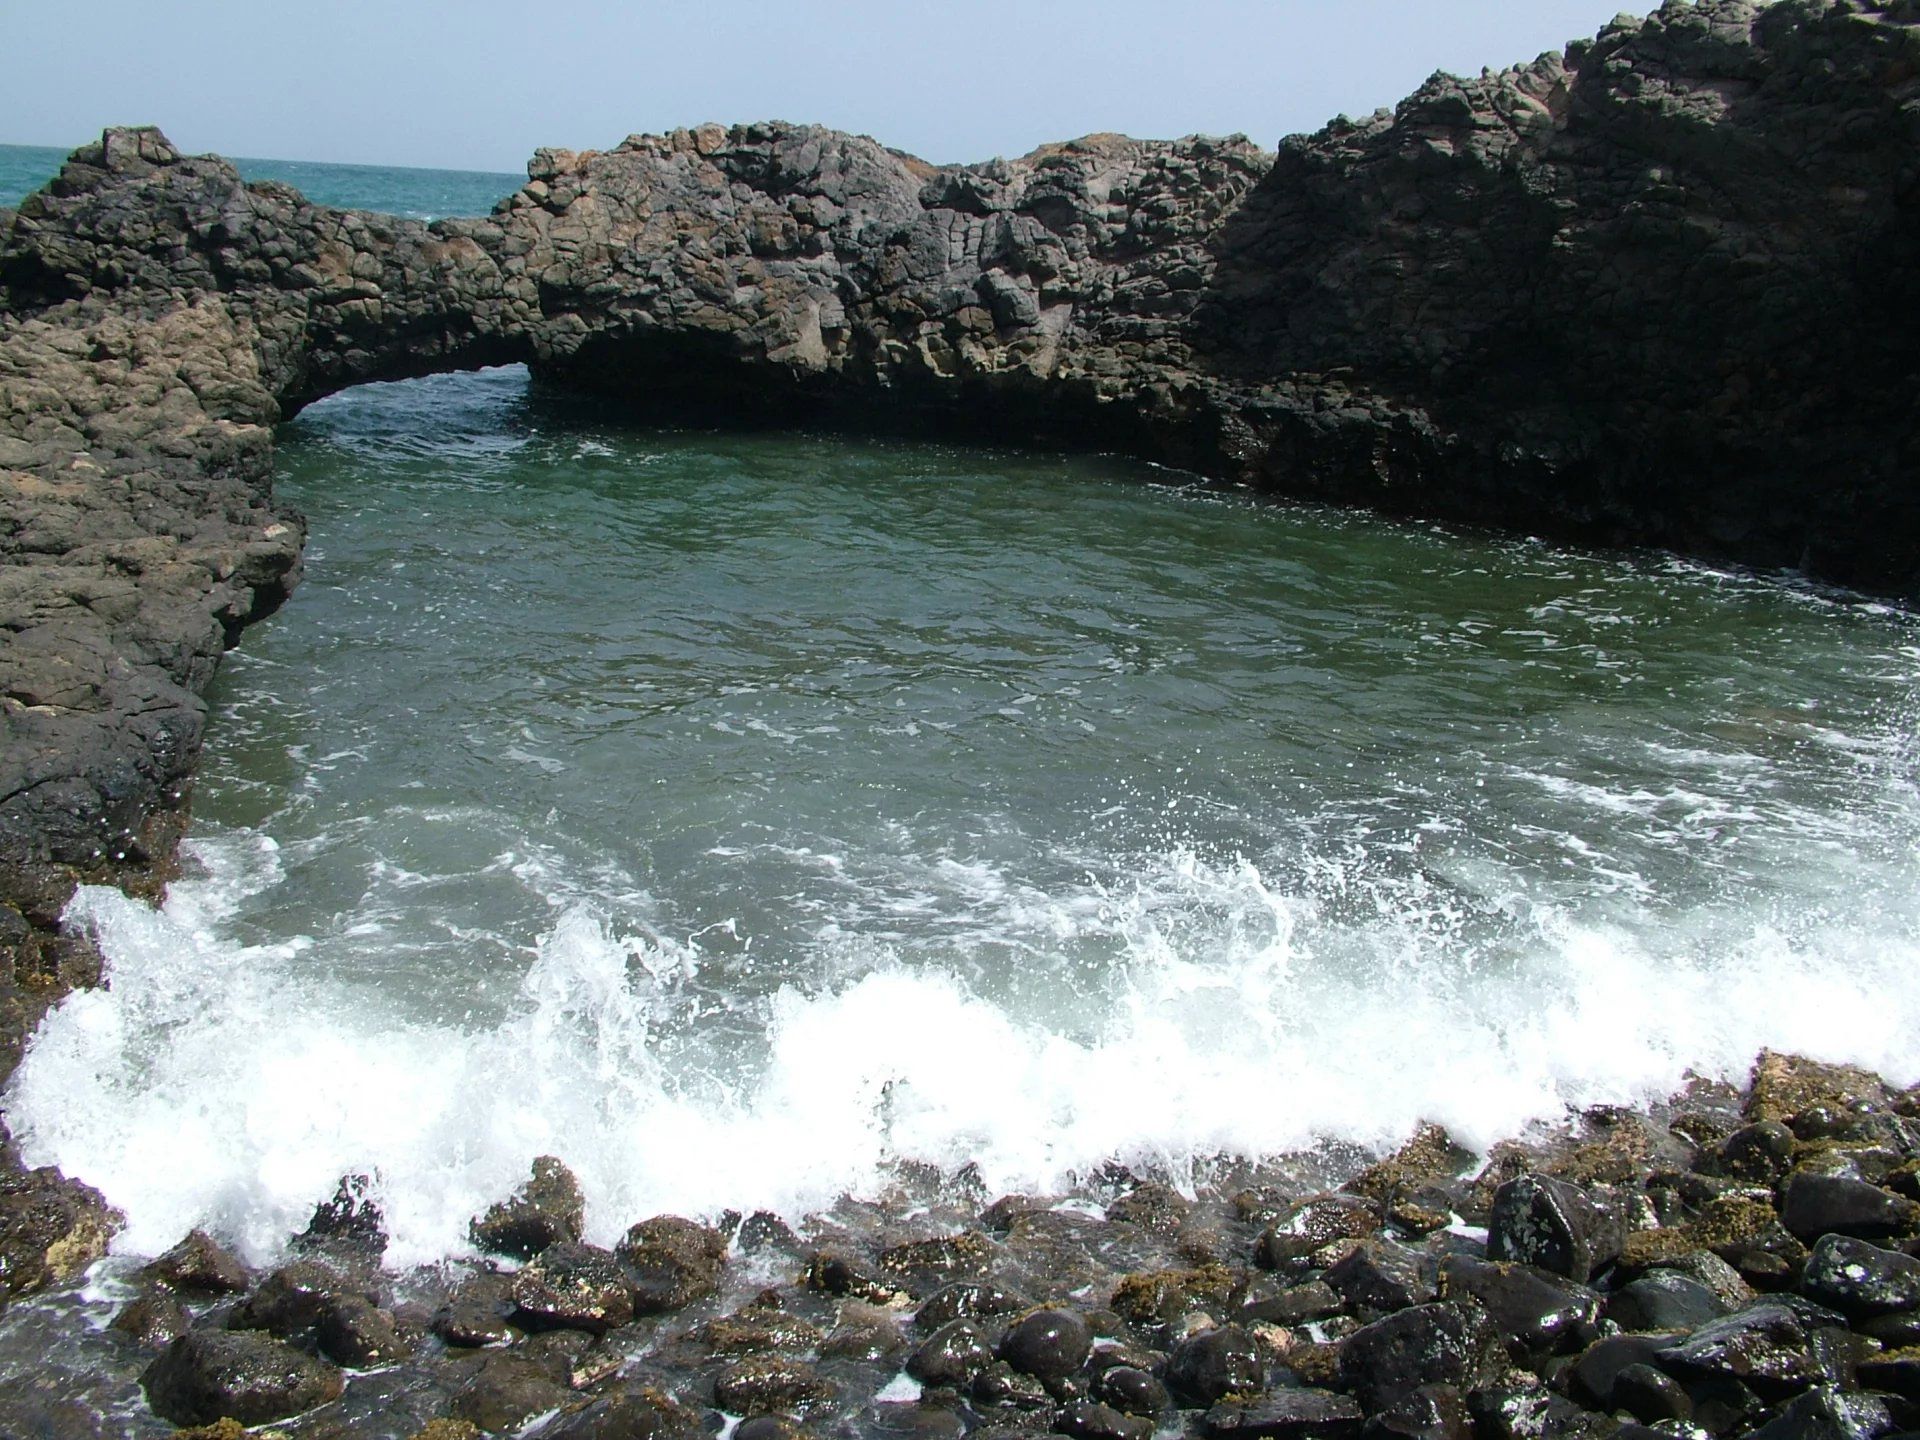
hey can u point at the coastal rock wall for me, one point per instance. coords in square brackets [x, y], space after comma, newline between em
[1657, 290]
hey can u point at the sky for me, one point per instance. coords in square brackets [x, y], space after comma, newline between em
[479, 84]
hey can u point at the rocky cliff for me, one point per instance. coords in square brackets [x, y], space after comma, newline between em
[1658, 290]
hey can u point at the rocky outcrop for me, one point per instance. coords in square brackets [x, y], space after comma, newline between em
[1656, 290]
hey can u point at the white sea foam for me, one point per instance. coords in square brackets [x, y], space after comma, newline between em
[227, 1085]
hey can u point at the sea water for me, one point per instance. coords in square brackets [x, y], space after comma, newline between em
[738, 815]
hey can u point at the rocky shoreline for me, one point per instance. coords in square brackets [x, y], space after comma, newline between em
[1656, 290]
[1739, 1261]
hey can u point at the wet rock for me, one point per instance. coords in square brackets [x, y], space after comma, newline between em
[1783, 1086]
[572, 1286]
[1287, 1415]
[352, 1219]
[1826, 1414]
[759, 1328]
[471, 1324]
[1664, 1300]
[1158, 1209]
[1650, 1395]
[199, 1264]
[768, 1427]
[952, 1355]
[359, 1335]
[1759, 1153]
[1592, 1376]
[1716, 1274]
[1047, 1344]
[642, 1412]
[1815, 1205]
[1766, 1346]
[1381, 1276]
[547, 1210]
[1896, 1372]
[1861, 1278]
[152, 1319]
[1000, 1385]
[1001, 1214]
[209, 1374]
[863, 1331]
[1432, 1412]
[51, 1229]
[507, 1392]
[1899, 1331]
[1537, 1220]
[1132, 1389]
[921, 1267]
[290, 1300]
[765, 1383]
[1277, 1303]
[1524, 1409]
[1536, 1313]
[671, 1263]
[1090, 1420]
[843, 1275]
[1160, 1296]
[1446, 1343]
[966, 1300]
[763, 1230]
[1307, 1228]
[1214, 1364]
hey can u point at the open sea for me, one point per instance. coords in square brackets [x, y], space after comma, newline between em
[738, 815]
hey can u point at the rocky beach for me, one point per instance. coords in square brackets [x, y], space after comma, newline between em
[1655, 291]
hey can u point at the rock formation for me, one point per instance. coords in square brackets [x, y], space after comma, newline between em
[1657, 290]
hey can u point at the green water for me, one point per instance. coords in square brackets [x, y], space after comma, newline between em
[731, 814]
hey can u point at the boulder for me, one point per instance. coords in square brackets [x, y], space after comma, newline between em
[208, 1375]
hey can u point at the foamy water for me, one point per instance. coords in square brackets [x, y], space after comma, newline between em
[736, 817]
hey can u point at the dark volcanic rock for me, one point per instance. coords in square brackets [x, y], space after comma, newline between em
[1536, 1313]
[1860, 1278]
[1766, 1345]
[544, 1211]
[952, 1355]
[209, 1374]
[671, 1262]
[1287, 1415]
[1214, 1364]
[199, 1263]
[766, 1383]
[291, 1299]
[1134, 1390]
[1538, 1220]
[1445, 1343]
[572, 1287]
[1826, 1414]
[51, 1229]
[1047, 1344]
[1816, 1205]
[1664, 1300]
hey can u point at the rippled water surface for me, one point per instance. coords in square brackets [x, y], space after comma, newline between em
[733, 814]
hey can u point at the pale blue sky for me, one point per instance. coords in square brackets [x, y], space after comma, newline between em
[480, 83]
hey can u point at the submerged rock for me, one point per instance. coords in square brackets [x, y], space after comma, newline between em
[207, 1375]
[671, 1262]
[1048, 1344]
[575, 1287]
